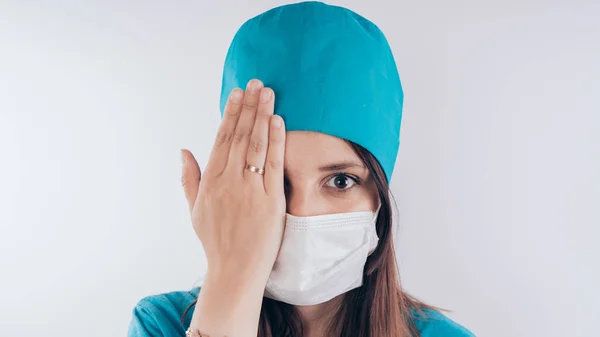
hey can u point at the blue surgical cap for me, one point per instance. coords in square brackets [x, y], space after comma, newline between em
[331, 69]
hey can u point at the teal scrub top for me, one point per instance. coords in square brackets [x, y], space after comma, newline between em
[160, 315]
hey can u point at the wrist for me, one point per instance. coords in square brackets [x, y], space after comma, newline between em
[236, 280]
[245, 276]
[228, 304]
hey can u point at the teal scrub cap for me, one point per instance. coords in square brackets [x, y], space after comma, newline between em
[331, 69]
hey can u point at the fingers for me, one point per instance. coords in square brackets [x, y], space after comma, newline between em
[220, 151]
[190, 177]
[259, 141]
[236, 161]
[275, 153]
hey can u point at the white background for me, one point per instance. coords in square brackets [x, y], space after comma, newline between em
[497, 180]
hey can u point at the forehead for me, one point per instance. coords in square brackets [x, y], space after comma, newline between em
[307, 151]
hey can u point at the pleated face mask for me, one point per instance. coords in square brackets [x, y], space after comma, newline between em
[322, 257]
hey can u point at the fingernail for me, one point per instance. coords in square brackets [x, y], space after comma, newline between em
[254, 86]
[276, 121]
[236, 95]
[265, 95]
[183, 160]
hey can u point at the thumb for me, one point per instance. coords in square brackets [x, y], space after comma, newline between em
[190, 177]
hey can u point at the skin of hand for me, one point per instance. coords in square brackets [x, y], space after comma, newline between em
[238, 215]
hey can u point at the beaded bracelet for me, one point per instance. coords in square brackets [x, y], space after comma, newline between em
[194, 333]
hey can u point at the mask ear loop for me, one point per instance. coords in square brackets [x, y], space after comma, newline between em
[373, 238]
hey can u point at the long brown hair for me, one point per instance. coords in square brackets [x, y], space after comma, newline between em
[379, 307]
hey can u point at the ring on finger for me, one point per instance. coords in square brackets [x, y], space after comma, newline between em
[255, 169]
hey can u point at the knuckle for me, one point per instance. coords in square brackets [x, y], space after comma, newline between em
[275, 164]
[208, 190]
[257, 145]
[249, 105]
[240, 136]
[221, 195]
[276, 140]
[210, 193]
[234, 111]
[185, 181]
[223, 137]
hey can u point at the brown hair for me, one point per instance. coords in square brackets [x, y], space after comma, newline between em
[379, 307]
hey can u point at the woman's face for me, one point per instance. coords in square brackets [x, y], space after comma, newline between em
[323, 175]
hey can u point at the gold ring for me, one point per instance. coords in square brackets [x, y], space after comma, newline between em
[255, 169]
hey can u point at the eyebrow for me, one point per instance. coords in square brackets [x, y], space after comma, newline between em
[341, 166]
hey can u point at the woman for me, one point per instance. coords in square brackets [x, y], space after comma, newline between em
[293, 209]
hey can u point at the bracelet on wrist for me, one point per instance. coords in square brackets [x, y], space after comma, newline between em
[191, 332]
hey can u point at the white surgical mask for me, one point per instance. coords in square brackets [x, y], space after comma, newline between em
[322, 257]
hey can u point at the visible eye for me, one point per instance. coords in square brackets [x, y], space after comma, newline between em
[342, 181]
